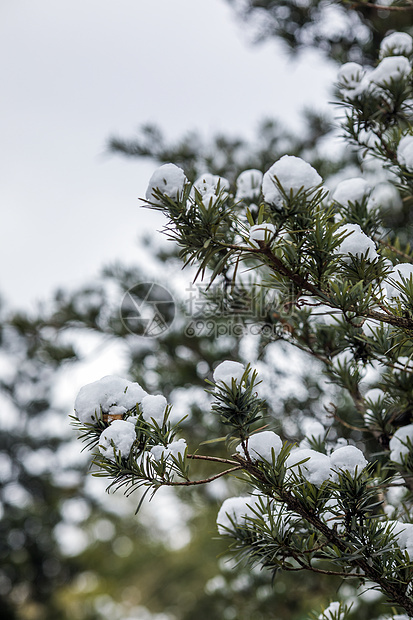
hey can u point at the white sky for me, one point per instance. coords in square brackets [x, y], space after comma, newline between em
[74, 72]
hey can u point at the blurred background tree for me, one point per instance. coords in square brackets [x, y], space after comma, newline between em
[64, 551]
[344, 31]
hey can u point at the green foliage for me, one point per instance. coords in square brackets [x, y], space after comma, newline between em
[301, 516]
[299, 291]
[237, 404]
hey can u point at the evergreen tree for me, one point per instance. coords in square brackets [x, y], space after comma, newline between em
[325, 274]
[36, 578]
[35, 482]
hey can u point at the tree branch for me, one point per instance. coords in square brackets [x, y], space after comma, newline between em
[381, 7]
[294, 505]
[213, 459]
[188, 483]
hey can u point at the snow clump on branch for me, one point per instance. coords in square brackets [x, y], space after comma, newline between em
[350, 80]
[153, 408]
[386, 196]
[332, 515]
[171, 450]
[404, 536]
[170, 180]
[351, 190]
[405, 152]
[347, 459]
[210, 182]
[354, 81]
[210, 186]
[234, 511]
[117, 439]
[396, 44]
[293, 175]
[390, 69]
[356, 243]
[228, 370]
[249, 185]
[400, 272]
[111, 395]
[399, 444]
[261, 446]
[261, 232]
[316, 467]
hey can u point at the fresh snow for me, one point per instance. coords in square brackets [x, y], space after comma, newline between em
[312, 429]
[332, 515]
[234, 510]
[153, 408]
[347, 459]
[405, 152]
[386, 196]
[210, 182]
[396, 44]
[210, 186]
[354, 80]
[321, 314]
[400, 272]
[121, 434]
[369, 327]
[261, 446]
[350, 74]
[332, 612]
[261, 232]
[395, 496]
[280, 516]
[391, 68]
[350, 78]
[356, 243]
[170, 180]
[171, 450]
[112, 394]
[351, 190]
[249, 185]
[404, 536]
[228, 370]
[316, 469]
[293, 174]
[399, 447]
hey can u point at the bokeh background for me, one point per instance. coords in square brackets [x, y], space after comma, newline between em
[95, 95]
[75, 74]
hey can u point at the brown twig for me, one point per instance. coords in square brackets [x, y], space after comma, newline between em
[380, 7]
[393, 249]
[189, 483]
[325, 572]
[214, 459]
[347, 425]
[304, 285]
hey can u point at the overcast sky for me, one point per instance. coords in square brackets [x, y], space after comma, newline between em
[75, 72]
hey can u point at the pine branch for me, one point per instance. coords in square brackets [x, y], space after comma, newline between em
[396, 595]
